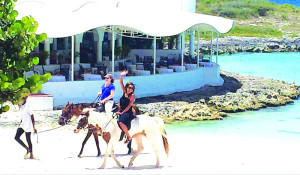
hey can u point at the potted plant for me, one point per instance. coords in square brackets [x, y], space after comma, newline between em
[118, 52]
[60, 58]
[125, 51]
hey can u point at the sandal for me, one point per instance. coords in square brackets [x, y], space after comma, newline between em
[127, 140]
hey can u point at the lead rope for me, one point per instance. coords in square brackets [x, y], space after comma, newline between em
[37, 136]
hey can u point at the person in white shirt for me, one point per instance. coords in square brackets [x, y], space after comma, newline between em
[27, 125]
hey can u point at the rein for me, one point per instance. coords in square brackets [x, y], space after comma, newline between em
[97, 98]
[107, 123]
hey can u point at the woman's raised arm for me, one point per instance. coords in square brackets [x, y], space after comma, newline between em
[121, 80]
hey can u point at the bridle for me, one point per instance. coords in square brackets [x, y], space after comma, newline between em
[67, 119]
[86, 116]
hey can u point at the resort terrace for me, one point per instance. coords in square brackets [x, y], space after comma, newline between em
[78, 67]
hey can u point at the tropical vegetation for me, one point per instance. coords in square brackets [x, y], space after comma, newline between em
[255, 18]
[17, 40]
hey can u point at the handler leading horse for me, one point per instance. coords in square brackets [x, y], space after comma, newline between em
[152, 128]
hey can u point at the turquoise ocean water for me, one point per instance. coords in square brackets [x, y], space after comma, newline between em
[282, 123]
[281, 66]
[291, 2]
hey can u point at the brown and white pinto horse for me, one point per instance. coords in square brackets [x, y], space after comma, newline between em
[152, 128]
[71, 110]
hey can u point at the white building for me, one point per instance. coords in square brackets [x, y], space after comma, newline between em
[88, 27]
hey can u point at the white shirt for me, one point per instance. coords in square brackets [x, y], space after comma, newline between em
[26, 123]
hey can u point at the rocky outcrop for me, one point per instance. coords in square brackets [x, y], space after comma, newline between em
[230, 45]
[239, 93]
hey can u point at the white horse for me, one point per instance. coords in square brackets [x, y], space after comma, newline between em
[152, 128]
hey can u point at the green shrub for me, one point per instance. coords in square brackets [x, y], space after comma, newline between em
[254, 31]
[229, 12]
[235, 4]
[284, 17]
[214, 9]
[242, 9]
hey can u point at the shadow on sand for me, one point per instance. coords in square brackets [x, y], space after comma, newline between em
[117, 155]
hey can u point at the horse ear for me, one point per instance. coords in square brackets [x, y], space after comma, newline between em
[67, 104]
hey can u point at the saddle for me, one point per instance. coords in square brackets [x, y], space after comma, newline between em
[101, 107]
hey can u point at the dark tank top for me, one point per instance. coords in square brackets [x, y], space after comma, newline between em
[124, 102]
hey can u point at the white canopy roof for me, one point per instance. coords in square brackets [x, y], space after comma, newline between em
[62, 18]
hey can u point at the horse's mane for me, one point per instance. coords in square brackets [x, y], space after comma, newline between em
[136, 109]
[97, 118]
[82, 105]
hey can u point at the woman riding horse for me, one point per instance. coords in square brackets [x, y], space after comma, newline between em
[126, 103]
[152, 128]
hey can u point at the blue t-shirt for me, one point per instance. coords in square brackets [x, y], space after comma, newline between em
[106, 91]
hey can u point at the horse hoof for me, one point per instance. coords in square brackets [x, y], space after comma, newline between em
[122, 166]
[130, 165]
[102, 167]
[79, 155]
[98, 155]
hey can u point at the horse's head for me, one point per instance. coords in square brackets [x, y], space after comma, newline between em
[82, 122]
[69, 111]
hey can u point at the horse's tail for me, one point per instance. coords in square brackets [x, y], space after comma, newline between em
[162, 130]
[166, 145]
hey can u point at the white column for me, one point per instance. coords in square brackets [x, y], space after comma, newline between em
[66, 43]
[98, 37]
[72, 58]
[54, 48]
[192, 43]
[99, 51]
[113, 52]
[198, 48]
[152, 44]
[182, 49]
[54, 45]
[78, 40]
[178, 42]
[47, 43]
[119, 41]
[211, 46]
[154, 55]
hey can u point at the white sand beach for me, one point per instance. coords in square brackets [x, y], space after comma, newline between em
[189, 154]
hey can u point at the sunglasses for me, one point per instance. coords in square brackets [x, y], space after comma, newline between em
[130, 87]
[107, 78]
